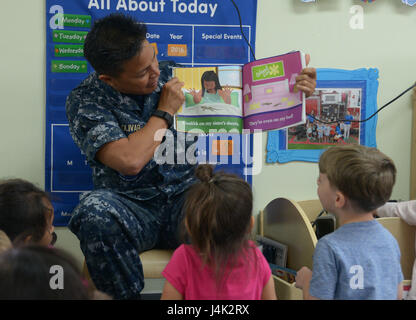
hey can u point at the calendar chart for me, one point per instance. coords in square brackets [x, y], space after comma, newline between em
[189, 32]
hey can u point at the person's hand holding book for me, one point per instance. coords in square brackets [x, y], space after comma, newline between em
[172, 97]
[306, 80]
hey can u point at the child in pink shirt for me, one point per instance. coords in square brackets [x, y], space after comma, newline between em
[221, 263]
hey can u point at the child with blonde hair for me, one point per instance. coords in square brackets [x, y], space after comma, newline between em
[361, 259]
[221, 262]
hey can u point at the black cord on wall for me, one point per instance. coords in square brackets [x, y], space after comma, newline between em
[317, 119]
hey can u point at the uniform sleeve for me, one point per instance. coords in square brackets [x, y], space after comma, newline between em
[176, 270]
[91, 126]
[324, 272]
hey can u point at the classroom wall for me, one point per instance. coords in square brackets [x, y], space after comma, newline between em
[321, 29]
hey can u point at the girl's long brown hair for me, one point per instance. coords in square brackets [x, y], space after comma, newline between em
[218, 212]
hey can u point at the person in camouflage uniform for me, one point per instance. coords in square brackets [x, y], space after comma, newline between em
[115, 119]
[136, 203]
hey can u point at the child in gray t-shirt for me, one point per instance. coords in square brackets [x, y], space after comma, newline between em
[361, 259]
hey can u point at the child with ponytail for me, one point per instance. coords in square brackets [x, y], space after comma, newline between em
[220, 263]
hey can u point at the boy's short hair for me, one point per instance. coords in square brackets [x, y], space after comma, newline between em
[112, 41]
[364, 175]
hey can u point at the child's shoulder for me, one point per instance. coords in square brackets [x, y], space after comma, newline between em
[185, 254]
[335, 240]
[361, 234]
[252, 245]
[185, 249]
[386, 234]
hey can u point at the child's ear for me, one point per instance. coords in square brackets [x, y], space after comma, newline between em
[340, 200]
[251, 224]
[28, 239]
[186, 226]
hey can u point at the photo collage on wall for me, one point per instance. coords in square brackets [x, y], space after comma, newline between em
[337, 113]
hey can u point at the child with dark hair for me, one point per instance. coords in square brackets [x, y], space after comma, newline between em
[211, 91]
[26, 213]
[361, 259]
[221, 262]
[39, 272]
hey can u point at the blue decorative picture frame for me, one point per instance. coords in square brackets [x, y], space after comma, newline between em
[364, 79]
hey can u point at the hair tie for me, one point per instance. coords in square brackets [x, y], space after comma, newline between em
[211, 180]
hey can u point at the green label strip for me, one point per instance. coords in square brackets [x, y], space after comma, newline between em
[268, 71]
[69, 36]
[77, 20]
[209, 124]
[68, 66]
[68, 50]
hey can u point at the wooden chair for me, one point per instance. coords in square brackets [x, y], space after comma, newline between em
[405, 236]
[285, 221]
[153, 261]
[312, 208]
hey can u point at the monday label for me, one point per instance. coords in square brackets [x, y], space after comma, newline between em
[77, 20]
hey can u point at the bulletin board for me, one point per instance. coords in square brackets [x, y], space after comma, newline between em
[189, 32]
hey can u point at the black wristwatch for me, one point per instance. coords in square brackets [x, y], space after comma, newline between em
[164, 115]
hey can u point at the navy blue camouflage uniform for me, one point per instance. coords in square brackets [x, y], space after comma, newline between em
[123, 215]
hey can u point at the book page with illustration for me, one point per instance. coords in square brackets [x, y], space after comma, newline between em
[270, 100]
[213, 100]
[227, 99]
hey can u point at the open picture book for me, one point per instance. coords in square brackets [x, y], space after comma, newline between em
[259, 95]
